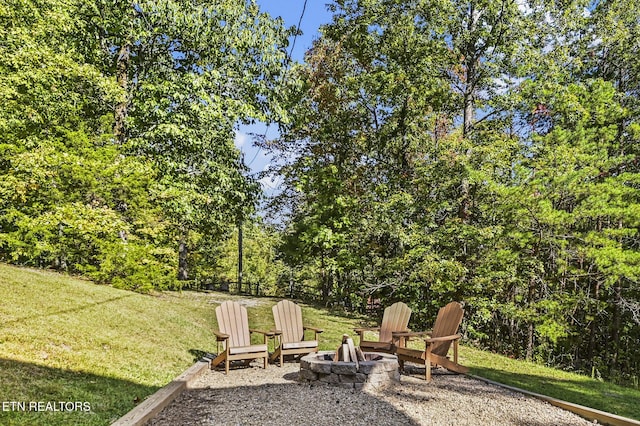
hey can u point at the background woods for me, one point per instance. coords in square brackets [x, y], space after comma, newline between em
[430, 150]
[475, 151]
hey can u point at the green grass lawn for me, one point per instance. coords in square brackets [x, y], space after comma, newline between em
[67, 340]
[558, 384]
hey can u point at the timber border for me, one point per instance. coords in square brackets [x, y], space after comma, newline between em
[601, 417]
[155, 403]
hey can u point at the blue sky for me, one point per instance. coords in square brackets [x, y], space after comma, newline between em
[315, 14]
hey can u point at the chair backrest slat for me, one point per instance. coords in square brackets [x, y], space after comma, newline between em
[447, 323]
[395, 318]
[233, 320]
[288, 318]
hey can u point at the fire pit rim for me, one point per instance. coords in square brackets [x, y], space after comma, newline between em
[381, 358]
[384, 368]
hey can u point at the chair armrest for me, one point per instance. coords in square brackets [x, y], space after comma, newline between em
[402, 337]
[443, 338]
[265, 332]
[409, 333]
[276, 334]
[361, 331]
[220, 336]
[315, 330]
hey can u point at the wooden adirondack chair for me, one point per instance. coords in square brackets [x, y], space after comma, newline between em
[235, 335]
[290, 331]
[438, 342]
[394, 319]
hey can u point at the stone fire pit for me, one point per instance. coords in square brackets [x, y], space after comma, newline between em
[377, 370]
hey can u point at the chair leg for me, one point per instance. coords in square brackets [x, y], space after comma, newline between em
[427, 364]
[217, 360]
[266, 358]
[226, 366]
[455, 351]
[275, 355]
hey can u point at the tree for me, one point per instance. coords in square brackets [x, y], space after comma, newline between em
[484, 152]
[136, 103]
[263, 271]
[192, 72]
[52, 147]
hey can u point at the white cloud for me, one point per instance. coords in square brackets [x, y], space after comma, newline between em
[240, 139]
[505, 82]
[271, 182]
[523, 7]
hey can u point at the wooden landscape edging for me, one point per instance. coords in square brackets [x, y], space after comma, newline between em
[155, 403]
[586, 412]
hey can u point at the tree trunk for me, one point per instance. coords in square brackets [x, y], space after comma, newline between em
[530, 324]
[615, 327]
[326, 281]
[471, 80]
[592, 327]
[470, 76]
[530, 344]
[122, 70]
[61, 261]
[467, 115]
[240, 257]
[464, 211]
[182, 257]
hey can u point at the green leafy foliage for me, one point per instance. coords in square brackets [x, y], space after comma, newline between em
[262, 267]
[477, 151]
[117, 127]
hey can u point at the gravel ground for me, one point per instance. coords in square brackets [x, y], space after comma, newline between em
[254, 396]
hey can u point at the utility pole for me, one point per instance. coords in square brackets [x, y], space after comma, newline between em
[240, 221]
[239, 257]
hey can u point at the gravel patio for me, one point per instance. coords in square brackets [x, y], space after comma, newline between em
[254, 396]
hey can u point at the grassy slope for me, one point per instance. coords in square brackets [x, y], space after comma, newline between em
[65, 339]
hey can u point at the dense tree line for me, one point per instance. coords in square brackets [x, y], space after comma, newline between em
[117, 124]
[481, 151]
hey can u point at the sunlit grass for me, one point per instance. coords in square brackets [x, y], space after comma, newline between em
[65, 339]
[555, 383]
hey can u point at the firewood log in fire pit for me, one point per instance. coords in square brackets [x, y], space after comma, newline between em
[348, 352]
